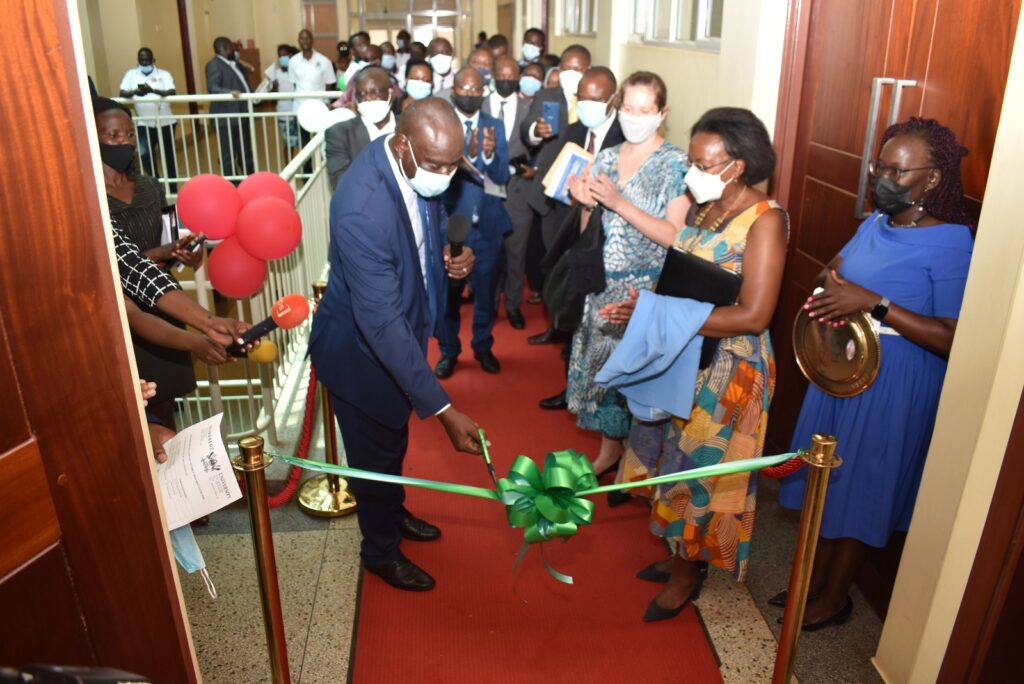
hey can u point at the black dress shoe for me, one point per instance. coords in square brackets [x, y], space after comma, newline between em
[549, 336]
[515, 319]
[779, 600]
[555, 403]
[652, 574]
[838, 619]
[445, 367]
[487, 361]
[618, 497]
[416, 529]
[656, 613]
[403, 574]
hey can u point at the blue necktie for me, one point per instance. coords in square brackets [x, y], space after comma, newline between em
[430, 248]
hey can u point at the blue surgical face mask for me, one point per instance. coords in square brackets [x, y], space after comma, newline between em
[425, 183]
[147, 69]
[530, 52]
[528, 86]
[591, 113]
[401, 43]
[387, 62]
[283, 61]
[189, 557]
[418, 90]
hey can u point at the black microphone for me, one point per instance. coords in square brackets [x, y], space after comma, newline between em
[458, 231]
[287, 312]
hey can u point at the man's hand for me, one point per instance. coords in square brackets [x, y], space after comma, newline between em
[158, 434]
[461, 266]
[488, 141]
[462, 431]
[527, 172]
[236, 94]
[224, 331]
[543, 129]
[143, 89]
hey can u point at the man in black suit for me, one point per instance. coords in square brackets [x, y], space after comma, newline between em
[345, 140]
[224, 76]
[597, 129]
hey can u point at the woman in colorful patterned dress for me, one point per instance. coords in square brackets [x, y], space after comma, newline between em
[710, 521]
[642, 179]
[914, 250]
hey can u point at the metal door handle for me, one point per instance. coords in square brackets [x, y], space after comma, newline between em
[869, 141]
[897, 95]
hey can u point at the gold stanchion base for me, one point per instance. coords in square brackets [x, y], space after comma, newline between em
[317, 498]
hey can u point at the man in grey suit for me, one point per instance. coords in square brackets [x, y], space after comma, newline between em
[507, 104]
[225, 76]
[344, 141]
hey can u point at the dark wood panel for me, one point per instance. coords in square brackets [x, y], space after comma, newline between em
[41, 621]
[827, 218]
[13, 422]
[28, 521]
[833, 167]
[71, 358]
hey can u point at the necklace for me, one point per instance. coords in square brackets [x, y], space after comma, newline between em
[699, 219]
[911, 224]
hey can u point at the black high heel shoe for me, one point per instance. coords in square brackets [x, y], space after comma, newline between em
[610, 469]
[656, 613]
[839, 618]
[652, 574]
[779, 600]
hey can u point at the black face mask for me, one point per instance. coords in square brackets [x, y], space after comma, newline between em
[117, 157]
[889, 196]
[506, 87]
[468, 104]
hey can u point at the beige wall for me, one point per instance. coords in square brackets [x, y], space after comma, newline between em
[979, 402]
[266, 22]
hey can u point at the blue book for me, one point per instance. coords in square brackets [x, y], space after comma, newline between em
[573, 160]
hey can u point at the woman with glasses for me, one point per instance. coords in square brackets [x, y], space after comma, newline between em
[736, 227]
[906, 266]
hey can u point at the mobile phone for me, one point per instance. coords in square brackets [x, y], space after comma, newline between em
[549, 111]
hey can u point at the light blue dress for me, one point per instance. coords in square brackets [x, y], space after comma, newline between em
[630, 259]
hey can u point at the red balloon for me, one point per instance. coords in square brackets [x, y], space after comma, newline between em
[266, 184]
[233, 272]
[269, 228]
[209, 204]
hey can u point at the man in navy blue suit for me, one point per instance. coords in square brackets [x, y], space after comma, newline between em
[370, 331]
[486, 149]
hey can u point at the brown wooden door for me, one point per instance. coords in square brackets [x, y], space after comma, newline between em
[85, 572]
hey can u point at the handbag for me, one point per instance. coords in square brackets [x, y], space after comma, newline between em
[577, 269]
[689, 276]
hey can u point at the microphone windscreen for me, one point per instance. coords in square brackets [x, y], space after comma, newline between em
[458, 228]
[290, 310]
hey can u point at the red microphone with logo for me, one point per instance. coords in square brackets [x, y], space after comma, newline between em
[287, 312]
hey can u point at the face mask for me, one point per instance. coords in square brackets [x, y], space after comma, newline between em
[344, 51]
[401, 43]
[484, 73]
[425, 183]
[468, 104]
[360, 65]
[283, 61]
[442, 63]
[374, 111]
[889, 196]
[418, 90]
[570, 82]
[528, 86]
[530, 52]
[637, 129]
[387, 62]
[117, 157]
[705, 187]
[234, 55]
[506, 87]
[188, 555]
[592, 114]
[148, 69]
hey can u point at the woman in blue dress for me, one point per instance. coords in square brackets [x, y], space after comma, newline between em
[907, 266]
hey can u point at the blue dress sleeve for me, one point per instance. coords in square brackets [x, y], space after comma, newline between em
[948, 275]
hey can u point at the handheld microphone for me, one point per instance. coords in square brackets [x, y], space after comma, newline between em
[287, 312]
[458, 231]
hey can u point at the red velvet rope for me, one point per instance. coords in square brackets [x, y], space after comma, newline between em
[292, 483]
[783, 469]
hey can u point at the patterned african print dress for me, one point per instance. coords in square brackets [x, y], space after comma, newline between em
[711, 519]
[630, 259]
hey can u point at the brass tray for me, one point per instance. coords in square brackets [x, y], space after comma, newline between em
[841, 361]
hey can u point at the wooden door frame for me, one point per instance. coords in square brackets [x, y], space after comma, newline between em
[791, 86]
[67, 334]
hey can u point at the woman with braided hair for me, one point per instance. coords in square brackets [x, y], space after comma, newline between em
[907, 266]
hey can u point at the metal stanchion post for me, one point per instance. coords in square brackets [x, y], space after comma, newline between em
[820, 460]
[326, 496]
[252, 462]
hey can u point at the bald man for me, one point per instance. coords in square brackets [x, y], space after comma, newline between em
[370, 332]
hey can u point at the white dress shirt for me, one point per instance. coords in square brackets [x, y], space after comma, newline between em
[599, 133]
[511, 102]
[444, 82]
[375, 132]
[276, 74]
[475, 123]
[412, 206]
[158, 79]
[311, 75]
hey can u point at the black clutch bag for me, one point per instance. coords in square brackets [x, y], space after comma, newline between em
[689, 276]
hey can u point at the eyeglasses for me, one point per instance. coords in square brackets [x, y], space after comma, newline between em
[876, 168]
[704, 168]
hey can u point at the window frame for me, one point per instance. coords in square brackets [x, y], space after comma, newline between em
[575, 15]
[645, 22]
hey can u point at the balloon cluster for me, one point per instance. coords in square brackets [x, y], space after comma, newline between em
[256, 221]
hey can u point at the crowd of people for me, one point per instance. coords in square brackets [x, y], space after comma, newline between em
[430, 142]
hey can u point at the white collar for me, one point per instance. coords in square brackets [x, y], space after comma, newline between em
[475, 119]
[408, 194]
[600, 131]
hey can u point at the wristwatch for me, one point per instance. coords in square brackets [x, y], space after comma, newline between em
[881, 309]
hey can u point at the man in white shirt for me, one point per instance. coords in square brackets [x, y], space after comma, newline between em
[148, 84]
[281, 82]
[310, 72]
[439, 54]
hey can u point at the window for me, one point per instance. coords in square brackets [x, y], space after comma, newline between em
[424, 19]
[579, 17]
[687, 23]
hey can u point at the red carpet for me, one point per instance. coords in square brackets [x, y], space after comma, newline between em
[481, 625]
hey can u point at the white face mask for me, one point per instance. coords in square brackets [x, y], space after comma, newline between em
[705, 187]
[592, 114]
[530, 52]
[374, 111]
[425, 183]
[570, 82]
[636, 129]
[442, 64]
